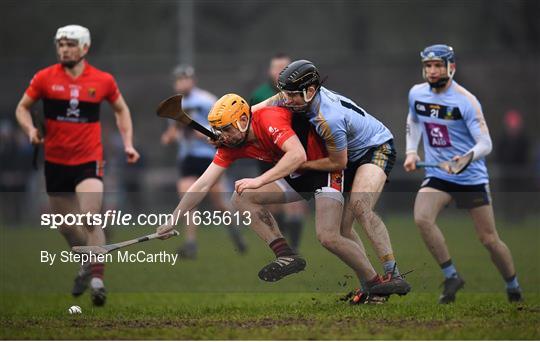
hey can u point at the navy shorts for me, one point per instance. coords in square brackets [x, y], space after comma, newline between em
[384, 156]
[466, 196]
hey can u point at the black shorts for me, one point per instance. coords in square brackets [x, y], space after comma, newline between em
[383, 156]
[466, 196]
[193, 166]
[64, 178]
[307, 183]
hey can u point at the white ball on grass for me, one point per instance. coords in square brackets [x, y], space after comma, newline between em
[75, 309]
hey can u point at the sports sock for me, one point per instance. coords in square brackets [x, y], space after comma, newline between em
[84, 269]
[390, 266]
[512, 283]
[281, 248]
[448, 269]
[96, 283]
[97, 270]
[190, 243]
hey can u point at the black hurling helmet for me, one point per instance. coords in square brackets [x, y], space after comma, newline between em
[296, 78]
[298, 75]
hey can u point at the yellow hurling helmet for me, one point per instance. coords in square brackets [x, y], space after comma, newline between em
[227, 111]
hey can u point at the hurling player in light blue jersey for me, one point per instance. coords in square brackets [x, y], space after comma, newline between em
[194, 152]
[356, 142]
[450, 121]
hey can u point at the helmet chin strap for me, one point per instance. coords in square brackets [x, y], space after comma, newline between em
[441, 82]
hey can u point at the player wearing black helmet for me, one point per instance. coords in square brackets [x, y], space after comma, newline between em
[356, 142]
[299, 82]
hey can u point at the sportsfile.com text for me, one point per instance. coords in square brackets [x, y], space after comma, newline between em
[120, 218]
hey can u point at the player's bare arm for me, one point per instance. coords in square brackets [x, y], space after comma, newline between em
[195, 194]
[24, 117]
[125, 126]
[294, 156]
[336, 160]
[271, 101]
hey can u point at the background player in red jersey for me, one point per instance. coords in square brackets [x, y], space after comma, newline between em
[72, 91]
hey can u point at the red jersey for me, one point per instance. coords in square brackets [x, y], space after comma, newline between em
[71, 107]
[272, 127]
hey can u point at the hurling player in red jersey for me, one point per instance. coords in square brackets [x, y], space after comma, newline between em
[72, 91]
[268, 135]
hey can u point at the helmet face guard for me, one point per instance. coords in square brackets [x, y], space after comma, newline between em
[298, 107]
[296, 78]
[439, 52]
[76, 33]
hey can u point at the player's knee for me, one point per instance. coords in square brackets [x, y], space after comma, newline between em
[236, 201]
[65, 230]
[240, 202]
[328, 241]
[489, 240]
[423, 222]
[244, 200]
[73, 235]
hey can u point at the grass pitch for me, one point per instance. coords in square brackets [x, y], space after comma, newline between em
[219, 296]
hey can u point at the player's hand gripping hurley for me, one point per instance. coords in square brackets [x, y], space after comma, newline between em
[172, 108]
[114, 246]
[454, 166]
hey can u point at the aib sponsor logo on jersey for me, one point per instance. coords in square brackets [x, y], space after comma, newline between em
[438, 135]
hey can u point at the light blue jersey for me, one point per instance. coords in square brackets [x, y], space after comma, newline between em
[450, 121]
[197, 105]
[342, 124]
